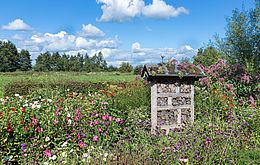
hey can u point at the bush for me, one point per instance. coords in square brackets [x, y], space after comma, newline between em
[25, 87]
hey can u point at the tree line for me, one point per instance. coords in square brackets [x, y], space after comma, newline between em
[11, 60]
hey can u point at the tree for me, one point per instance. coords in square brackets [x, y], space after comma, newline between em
[43, 62]
[138, 69]
[207, 56]
[9, 57]
[25, 61]
[125, 67]
[241, 42]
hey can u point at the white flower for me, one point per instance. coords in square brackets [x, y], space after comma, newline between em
[45, 163]
[68, 115]
[47, 139]
[25, 105]
[65, 144]
[104, 159]
[105, 155]
[85, 155]
[49, 100]
[54, 157]
[68, 90]
[66, 109]
[64, 154]
[1, 99]
[20, 97]
[71, 150]
[69, 122]
[16, 95]
[40, 97]
[184, 160]
[38, 106]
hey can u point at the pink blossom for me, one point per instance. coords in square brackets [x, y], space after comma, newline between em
[34, 120]
[47, 153]
[99, 129]
[121, 121]
[118, 119]
[57, 113]
[221, 80]
[251, 101]
[39, 129]
[105, 108]
[78, 136]
[93, 102]
[55, 122]
[91, 124]
[104, 117]
[81, 144]
[96, 122]
[109, 118]
[95, 138]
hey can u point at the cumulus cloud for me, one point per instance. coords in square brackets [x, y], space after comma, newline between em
[153, 55]
[18, 25]
[90, 30]
[122, 10]
[159, 9]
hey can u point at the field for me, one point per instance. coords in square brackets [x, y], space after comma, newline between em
[6, 78]
[112, 125]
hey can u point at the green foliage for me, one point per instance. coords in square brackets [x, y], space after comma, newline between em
[125, 67]
[207, 56]
[25, 87]
[138, 69]
[241, 43]
[25, 61]
[9, 57]
[77, 63]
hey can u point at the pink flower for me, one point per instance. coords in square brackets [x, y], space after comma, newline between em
[96, 122]
[34, 120]
[117, 119]
[95, 138]
[47, 153]
[104, 117]
[251, 101]
[91, 124]
[105, 108]
[81, 144]
[109, 118]
[57, 112]
[38, 129]
[78, 136]
[55, 122]
[93, 102]
[121, 121]
[99, 129]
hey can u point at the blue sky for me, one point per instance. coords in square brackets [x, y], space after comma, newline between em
[137, 31]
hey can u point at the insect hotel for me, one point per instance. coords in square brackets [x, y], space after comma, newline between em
[172, 94]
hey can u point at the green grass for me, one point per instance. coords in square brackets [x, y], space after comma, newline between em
[6, 78]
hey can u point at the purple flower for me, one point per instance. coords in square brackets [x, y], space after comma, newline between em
[251, 101]
[23, 145]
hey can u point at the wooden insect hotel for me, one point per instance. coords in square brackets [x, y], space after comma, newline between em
[172, 94]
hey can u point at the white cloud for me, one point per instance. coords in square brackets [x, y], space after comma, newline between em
[159, 9]
[18, 25]
[108, 43]
[122, 10]
[84, 43]
[91, 31]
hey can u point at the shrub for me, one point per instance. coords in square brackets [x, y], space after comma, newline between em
[25, 87]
